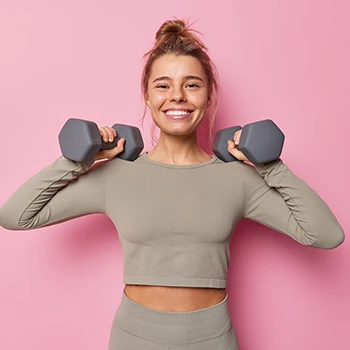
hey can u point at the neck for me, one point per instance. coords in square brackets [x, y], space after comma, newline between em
[178, 149]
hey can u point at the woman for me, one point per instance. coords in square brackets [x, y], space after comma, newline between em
[175, 207]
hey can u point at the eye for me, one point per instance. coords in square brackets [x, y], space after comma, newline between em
[193, 85]
[161, 86]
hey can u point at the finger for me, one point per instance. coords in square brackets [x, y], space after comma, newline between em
[110, 154]
[232, 150]
[237, 154]
[236, 137]
[110, 134]
[239, 134]
[231, 144]
[119, 147]
[103, 133]
[120, 143]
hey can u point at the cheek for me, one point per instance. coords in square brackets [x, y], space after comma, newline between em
[156, 100]
[199, 100]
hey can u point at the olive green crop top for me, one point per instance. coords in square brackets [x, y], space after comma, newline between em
[175, 222]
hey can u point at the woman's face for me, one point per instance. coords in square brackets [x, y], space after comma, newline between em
[177, 94]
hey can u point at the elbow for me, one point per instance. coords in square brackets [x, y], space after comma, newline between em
[3, 220]
[9, 225]
[338, 238]
[8, 222]
[331, 239]
[12, 226]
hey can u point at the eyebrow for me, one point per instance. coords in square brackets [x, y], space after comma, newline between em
[187, 77]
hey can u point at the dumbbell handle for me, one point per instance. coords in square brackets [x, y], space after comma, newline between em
[110, 145]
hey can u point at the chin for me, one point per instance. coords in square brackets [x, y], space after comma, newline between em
[179, 132]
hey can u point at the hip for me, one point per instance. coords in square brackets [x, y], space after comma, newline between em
[138, 327]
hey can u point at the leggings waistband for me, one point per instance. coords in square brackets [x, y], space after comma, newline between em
[176, 327]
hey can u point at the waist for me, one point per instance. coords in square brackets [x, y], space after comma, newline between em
[174, 299]
[176, 327]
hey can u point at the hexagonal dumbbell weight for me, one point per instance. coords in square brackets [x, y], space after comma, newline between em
[80, 140]
[260, 142]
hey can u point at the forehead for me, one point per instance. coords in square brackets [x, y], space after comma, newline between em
[177, 66]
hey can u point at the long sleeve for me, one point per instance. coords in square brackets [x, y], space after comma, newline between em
[61, 191]
[275, 197]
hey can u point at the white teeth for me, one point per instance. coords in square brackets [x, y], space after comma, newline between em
[177, 112]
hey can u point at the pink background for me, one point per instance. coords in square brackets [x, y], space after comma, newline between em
[287, 60]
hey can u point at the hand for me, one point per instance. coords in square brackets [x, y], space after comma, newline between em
[233, 144]
[108, 134]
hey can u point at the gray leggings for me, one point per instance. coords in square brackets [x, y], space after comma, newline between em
[136, 327]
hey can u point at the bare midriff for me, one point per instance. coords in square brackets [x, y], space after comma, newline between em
[174, 299]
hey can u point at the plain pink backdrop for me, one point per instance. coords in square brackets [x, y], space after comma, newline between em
[284, 60]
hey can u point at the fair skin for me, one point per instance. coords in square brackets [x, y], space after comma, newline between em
[178, 139]
[175, 82]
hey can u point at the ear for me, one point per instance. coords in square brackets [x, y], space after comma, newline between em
[209, 102]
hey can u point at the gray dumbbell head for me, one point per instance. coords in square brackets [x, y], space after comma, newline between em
[261, 141]
[79, 139]
[220, 143]
[133, 141]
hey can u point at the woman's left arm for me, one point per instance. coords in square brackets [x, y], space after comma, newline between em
[275, 197]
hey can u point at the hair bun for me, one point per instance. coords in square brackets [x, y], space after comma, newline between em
[170, 28]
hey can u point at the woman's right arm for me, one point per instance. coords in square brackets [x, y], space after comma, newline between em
[61, 191]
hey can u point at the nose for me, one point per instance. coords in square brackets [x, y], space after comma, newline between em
[177, 95]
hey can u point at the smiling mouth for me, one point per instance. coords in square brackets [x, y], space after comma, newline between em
[178, 114]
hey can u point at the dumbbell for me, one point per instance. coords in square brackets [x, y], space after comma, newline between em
[80, 140]
[260, 142]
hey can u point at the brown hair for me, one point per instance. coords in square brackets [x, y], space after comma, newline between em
[175, 37]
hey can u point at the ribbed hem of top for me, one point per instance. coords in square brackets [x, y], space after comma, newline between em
[176, 281]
